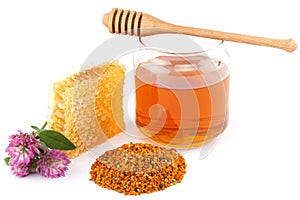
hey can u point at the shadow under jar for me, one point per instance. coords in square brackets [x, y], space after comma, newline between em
[182, 89]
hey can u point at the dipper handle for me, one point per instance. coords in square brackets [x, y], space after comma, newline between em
[142, 24]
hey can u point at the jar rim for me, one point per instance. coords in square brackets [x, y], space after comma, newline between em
[218, 44]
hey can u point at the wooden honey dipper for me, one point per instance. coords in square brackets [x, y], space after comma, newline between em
[142, 24]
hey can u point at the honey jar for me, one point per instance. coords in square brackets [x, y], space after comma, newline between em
[182, 89]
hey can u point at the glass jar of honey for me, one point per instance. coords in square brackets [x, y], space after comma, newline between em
[182, 86]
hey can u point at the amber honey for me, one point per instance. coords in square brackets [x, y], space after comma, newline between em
[182, 102]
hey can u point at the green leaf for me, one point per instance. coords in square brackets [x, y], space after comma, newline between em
[39, 129]
[35, 128]
[6, 160]
[55, 140]
[44, 126]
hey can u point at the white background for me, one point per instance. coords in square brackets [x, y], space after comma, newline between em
[257, 157]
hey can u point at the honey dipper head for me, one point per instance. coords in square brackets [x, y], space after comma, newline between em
[123, 21]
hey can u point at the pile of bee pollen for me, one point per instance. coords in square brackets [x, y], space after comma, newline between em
[138, 168]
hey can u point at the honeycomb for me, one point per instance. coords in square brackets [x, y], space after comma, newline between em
[87, 106]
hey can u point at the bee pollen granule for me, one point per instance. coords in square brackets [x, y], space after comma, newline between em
[138, 168]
